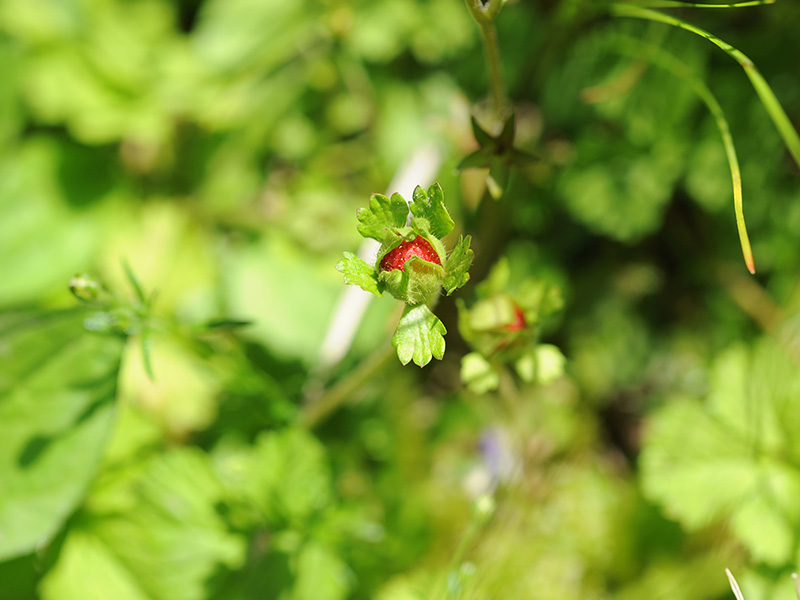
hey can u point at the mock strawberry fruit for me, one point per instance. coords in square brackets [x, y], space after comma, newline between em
[518, 324]
[412, 264]
[419, 246]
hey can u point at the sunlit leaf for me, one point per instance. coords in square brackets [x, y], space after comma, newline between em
[725, 458]
[357, 272]
[430, 205]
[383, 212]
[419, 336]
[158, 535]
[457, 265]
[57, 389]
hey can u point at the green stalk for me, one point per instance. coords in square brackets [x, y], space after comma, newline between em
[482, 511]
[668, 62]
[484, 16]
[765, 93]
[496, 85]
[320, 408]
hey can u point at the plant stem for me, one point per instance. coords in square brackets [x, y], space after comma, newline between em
[496, 85]
[321, 407]
[485, 15]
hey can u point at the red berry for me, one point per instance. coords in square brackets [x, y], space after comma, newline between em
[397, 257]
[518, 324]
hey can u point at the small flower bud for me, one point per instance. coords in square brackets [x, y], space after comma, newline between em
[84, 288]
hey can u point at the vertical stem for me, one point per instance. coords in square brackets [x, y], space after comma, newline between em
[493, 64]
[484, 13]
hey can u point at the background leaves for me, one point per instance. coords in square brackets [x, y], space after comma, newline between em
[223, 147]
[57, 410]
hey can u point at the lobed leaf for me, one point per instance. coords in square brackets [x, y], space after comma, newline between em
[457, 266]
[170, 547]
[357, 272]
[383, 213]
[735, 460]
[430, 206]
[419, 336]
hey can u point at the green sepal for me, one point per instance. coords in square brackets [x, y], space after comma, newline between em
[418, 284]
[430, 206]
[498, 177]
[419, 336]
[505, 141]
[496, 153]
[357, 272]
[456, 268]
[483, 137]
[480, 159]
[395, 282]
[383, 213]
[424, 280]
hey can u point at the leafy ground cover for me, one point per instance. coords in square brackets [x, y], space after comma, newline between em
[195, 406]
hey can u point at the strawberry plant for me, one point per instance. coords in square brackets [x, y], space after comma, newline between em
[412, 265]
[615, 414]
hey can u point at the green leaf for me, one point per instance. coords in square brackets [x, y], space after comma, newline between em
[382, 214]
[57, 388]
[87, 569]
[225, 324]
[478, 374]
[733, 457]
[156, 535]
[277, 285]
[321, 575]
[285, 477]
[291, 476]
[357, 272]
[419, 336]
[457, 266]
[430, 206]
[135, 283]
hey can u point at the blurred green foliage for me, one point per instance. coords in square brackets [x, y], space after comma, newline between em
[221, 149]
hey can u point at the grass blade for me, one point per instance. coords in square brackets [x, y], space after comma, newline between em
[762, 88]
[147, 355]
[137, 287]
[677, 4]
[663, 59]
